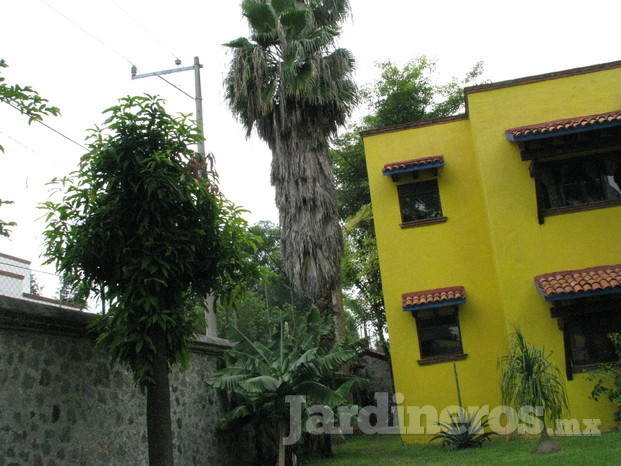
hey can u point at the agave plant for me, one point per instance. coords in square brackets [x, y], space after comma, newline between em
[463, 431]
[294, 362]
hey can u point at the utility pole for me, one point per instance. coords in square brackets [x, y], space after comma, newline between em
[210, 315]
[198, 95]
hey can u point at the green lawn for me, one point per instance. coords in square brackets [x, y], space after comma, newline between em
[380, 450]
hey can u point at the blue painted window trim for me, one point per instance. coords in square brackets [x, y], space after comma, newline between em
[413, 169]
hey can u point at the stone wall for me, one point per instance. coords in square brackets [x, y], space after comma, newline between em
[376, 367]
[62, 402]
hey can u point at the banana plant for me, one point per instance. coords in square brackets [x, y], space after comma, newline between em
[294, 362]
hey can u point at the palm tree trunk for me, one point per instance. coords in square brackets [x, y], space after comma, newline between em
[311, 240]
[159, 426]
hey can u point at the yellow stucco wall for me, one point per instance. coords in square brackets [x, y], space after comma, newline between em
[492, 243]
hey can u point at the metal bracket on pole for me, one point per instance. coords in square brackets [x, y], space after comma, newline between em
[198, 97]
[157, 73]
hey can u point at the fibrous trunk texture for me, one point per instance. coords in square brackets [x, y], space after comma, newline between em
[311, 239]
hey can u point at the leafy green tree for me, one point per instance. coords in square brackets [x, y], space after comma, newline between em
[607, 378]
[267, 301]
[290, 83]
[400, 95]
[411, 94]
[293, 362]
[28, 102]
[529, 379]
[143, 220]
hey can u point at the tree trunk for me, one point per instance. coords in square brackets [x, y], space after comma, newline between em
[159, 426]
[338, 312]
[311, 240]
[281, 443]
[546, 445]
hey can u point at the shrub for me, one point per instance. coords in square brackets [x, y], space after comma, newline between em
[609, 378]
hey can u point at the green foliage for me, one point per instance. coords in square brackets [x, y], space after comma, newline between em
[293, 362]
[24, 99]
[608, 378]
[142, 219]
[530, 379]
[29, 103]
[5, 227]
[35, 287]
[410, 93]
[463, 431]
[267, 300]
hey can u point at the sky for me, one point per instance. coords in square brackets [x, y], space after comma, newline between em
[78, 54]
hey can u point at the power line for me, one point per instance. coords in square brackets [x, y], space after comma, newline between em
[29, 269]
[49, 127]
[175, 86]
[88, 33]
[46, 159]
[146, 30]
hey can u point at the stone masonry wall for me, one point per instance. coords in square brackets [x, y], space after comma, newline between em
[62, 402]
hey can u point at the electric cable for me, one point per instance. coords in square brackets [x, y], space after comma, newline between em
[146, 31]
[49, 127]
[45, 159]
[176, 87]
[88, 33]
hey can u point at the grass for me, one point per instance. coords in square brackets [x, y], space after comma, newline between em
[380, 450]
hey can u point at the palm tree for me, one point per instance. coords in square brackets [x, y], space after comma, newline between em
[290, 83]
[530, 379]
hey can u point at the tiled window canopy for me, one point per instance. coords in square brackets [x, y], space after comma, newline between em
[573, 284]
[410, 166]
[428, 299]
[564, 127]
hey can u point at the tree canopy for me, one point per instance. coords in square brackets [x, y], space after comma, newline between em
[142, 221]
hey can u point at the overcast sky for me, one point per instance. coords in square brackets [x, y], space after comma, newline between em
[84, 67]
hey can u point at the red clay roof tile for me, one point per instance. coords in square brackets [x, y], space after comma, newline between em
[414, 164]
[582, 123]
[570, 284]
[433, 298]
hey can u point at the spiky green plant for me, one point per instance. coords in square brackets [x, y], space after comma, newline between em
[529, 378]
[463, 431]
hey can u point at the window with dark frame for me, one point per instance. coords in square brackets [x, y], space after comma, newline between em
[438, 332]
[588, 338]
[578, 183]
[419, 201]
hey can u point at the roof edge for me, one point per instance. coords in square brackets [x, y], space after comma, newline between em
[413, 124]
[542, 77]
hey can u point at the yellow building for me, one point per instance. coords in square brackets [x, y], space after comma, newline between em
[506, 216]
